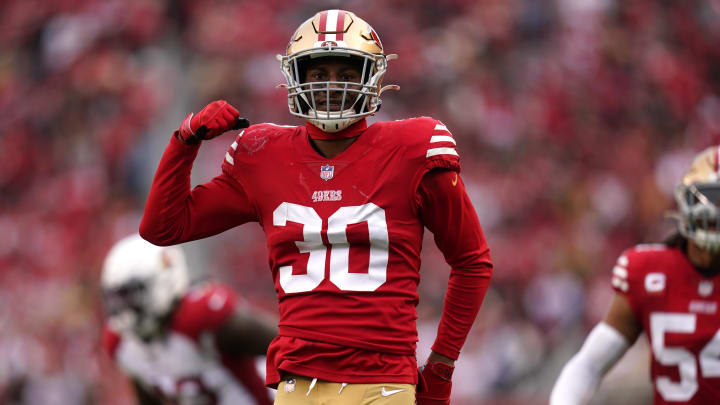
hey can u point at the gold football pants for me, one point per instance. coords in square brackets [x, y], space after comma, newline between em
[296, 390]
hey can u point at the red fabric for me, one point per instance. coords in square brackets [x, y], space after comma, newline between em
[244, 371]
[109, 341]
[449, 214]
[172, 213]
[335, 362]
[675, 303]
[435, 384]
[272, 175]
[204, 309]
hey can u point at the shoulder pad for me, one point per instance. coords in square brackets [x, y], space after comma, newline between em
[633, 264]
[253, 140]
[430, 140]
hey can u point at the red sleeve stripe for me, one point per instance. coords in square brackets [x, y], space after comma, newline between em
[442, 138]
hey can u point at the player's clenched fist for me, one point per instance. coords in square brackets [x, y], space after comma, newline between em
[214, 119]
[435, 384]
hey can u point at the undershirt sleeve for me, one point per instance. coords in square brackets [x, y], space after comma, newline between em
[448, 213]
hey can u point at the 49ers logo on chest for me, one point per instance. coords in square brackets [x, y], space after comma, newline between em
[327, 172]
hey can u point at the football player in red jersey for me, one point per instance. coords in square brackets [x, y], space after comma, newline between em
[343, 206]
[668, 291]
[180, 344]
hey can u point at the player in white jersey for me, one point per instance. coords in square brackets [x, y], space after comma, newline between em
[180, 344]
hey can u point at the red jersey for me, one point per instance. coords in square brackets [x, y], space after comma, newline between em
[344, 237]
[678, 308]
[185, 365]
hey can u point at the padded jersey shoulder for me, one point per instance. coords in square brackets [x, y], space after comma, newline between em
[258, 142]
[636, 262]
[205, 308]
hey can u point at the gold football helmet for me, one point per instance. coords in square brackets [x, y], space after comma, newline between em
[335, 33]
[698, 196]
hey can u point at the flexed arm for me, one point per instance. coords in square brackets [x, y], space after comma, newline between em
[175, 214]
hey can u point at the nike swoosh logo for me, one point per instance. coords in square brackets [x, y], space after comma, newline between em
[385, 393]
[454, 181]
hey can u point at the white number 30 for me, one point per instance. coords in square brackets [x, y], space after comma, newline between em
[340, 248]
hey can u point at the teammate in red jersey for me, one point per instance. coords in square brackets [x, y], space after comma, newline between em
[343, 207]
[179, 344]
[667, 290]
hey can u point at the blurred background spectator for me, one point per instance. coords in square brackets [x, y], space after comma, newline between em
[574, 118]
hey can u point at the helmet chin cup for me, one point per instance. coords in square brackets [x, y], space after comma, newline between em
[332, 122]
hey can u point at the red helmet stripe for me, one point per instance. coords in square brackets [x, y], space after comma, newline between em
[340, 26]
[323, 25]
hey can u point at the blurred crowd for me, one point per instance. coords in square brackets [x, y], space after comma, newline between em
[574, 121]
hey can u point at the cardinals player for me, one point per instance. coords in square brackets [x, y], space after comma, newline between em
[343, 206]
[180, 344]
[669, 291]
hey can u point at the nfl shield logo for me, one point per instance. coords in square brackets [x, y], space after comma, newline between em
[326, 172]
[705, 288]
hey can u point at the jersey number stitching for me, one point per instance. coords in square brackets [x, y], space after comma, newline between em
[339, 250]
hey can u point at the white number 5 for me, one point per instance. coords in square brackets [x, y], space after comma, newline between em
[340, 247]
[663, 322]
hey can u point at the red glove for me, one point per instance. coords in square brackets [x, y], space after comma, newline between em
[434, 384]
[214, 119]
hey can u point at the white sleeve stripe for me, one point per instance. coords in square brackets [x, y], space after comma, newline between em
[234, 145]
[442, 138]
[441, 127]
[620, 272]
[440, 151]
[623, 285]
[229, 158]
